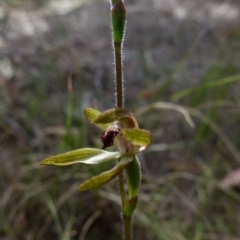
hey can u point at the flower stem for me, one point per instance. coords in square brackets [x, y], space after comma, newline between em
[118, 15]
[119, 75]
[121, 188]
[126, 219]
[127, 227]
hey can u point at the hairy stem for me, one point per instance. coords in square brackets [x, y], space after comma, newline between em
[119, 75]
[118, 15]
[120, 103]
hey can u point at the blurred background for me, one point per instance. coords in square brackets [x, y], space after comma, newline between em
[182, 73]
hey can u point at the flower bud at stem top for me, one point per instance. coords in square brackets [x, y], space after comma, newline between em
[118, 17]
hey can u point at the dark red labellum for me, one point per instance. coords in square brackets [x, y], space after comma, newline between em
[107, 138]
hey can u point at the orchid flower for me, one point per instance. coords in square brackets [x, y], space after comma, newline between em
[120, 128]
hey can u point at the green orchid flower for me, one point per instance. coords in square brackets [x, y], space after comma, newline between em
[120, 128]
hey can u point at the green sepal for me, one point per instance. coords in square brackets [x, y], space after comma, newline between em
[91, 114]
[137, 136]
[111, 115]
[130, 207]
[118, 16]
[84, 155]
[133, 175]
[105, 177]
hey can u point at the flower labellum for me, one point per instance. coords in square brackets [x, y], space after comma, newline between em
[108, 136]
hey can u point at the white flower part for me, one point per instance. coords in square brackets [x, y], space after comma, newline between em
[124, 145]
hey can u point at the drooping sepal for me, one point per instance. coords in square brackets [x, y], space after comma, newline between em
[133, 175]
[105, 177]
[84, 155]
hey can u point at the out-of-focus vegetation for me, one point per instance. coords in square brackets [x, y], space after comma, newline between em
[175, 56]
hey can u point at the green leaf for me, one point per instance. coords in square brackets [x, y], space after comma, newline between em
[112, 115]
[84, 155]
[105, 177]
[172, 106]
[91, 114]
[137, 136]
[133, 174]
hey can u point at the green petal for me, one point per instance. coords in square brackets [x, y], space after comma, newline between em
[133, 174]
[105, 177]
[137, 136]
[112, 115]
[84, 155]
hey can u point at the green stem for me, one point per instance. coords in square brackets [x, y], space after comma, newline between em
[121, 189]
[119, 75]
[126, 219]
[127, 228]
[118, 15]
[120, 104]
